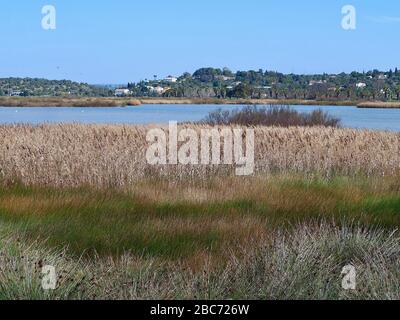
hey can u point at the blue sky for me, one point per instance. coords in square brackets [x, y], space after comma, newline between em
[129, 40]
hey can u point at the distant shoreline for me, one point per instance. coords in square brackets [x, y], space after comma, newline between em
[215, 101]
[67, 102]
[122, 102]
[379, 105]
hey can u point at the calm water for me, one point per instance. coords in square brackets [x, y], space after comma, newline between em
[382, 119]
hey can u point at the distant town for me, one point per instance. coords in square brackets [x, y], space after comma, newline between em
[224, 83]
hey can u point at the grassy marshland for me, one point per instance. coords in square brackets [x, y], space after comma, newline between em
[281, 237]
[188, 221]
[82, 198]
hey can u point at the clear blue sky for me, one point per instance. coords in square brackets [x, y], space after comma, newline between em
[101, 41]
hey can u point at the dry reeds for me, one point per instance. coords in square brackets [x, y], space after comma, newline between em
[114, 155]
[379, 105]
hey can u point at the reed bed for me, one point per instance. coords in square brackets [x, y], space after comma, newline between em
[70, 155]
[379, 105]
[83, 199]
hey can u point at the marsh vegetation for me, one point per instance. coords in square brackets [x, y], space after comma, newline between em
[273, 116]
[82, 198]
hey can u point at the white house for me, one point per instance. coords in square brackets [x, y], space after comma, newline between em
[361, 85]
[225, 78]
[314, 82]
[158, 89]
[171, 79]
[122, 92]
[263, 87]
[16, 93]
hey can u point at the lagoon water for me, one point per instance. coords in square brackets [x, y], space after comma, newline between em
[352, 117]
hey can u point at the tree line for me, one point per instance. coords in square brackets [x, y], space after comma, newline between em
[223, 83]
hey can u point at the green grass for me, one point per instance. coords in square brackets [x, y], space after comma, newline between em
[110, 222]
[282, 237]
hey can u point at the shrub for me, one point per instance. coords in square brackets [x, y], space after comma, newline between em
[282, 116]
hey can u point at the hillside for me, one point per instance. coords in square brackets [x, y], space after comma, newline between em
[53, 88]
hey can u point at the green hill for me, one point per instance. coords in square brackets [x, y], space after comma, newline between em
[52, 88]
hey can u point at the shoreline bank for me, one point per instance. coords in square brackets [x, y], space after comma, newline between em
[67, 102]
[123, 102]
[379, 105]
[214, 101]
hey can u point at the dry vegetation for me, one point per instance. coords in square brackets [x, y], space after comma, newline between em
[66, 102]
[379, 105]
[304, 264]
[247, 101]
[114, 155]
[83, 198]
[272, 116]
[116, 102]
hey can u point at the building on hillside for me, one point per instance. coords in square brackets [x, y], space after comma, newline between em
[263, 87]
[316, 82]
[16, 93]
[158, 89]
[225, 78]
[361, 85]
[171, 79]
[122, 92]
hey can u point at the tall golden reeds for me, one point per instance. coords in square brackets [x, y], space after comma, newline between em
[114, 155]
